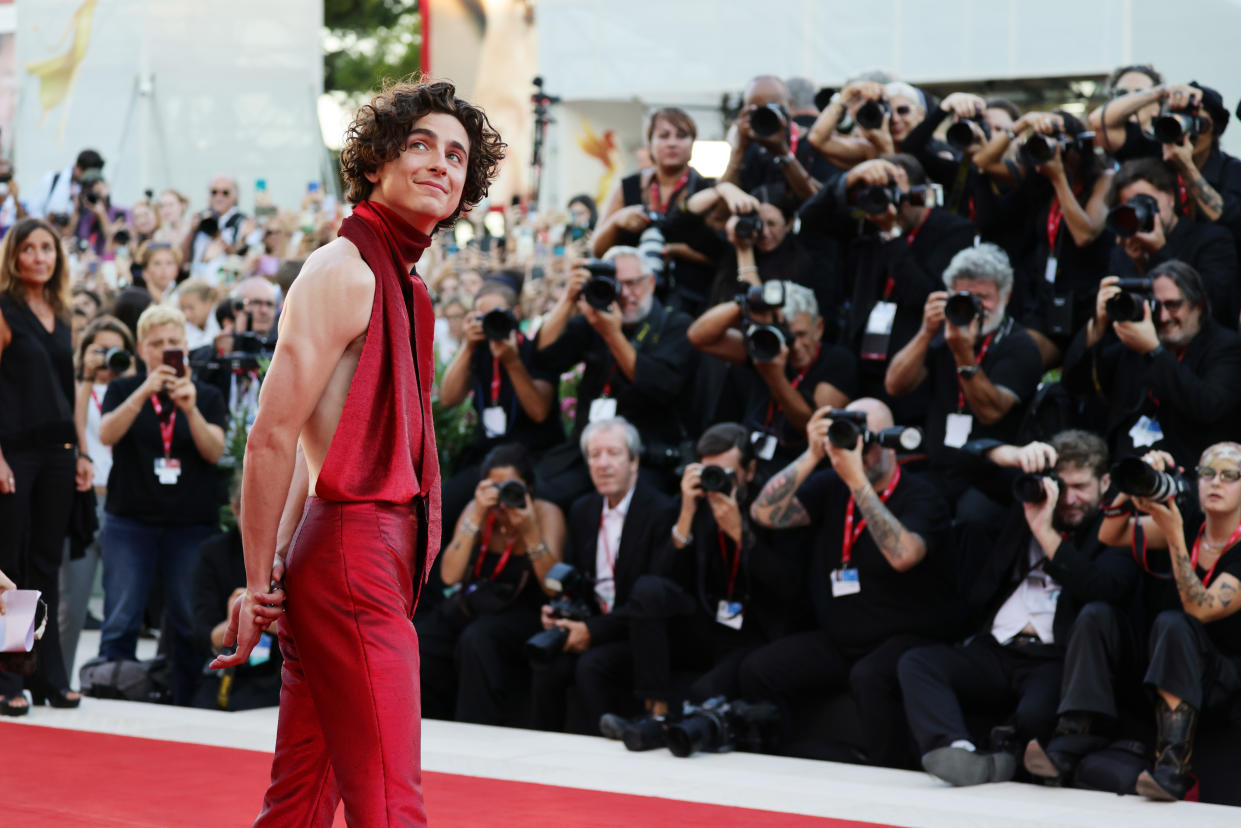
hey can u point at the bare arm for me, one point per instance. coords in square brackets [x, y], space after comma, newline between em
[987, 401]
[714, 333]
[1085, 224]
[907, 369]
[777, 506]
[606, 230]
[825, 125]
[1219, 601]
[294, 505]
[534, 395]
[456, 381]
[208, 437]
[1210, 202]
[902, 549]
[1112, 129]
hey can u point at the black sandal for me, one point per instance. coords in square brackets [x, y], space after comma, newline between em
[7, 708]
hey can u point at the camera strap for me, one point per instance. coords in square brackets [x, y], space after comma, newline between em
[495, 380]
[913, 234]
[1139, 542]
[851, 534]
[657, 204]
[731, 568]
[482, 551]
[982, 353]
[1193, 558]
[796, 381]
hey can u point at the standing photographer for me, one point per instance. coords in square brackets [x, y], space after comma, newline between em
[1165, 370]
[214, 232]
[167, 433]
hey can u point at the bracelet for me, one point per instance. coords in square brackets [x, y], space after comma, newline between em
[469, 527]
[676, 536]
[86, 457]
[747, 269]
[539, 552]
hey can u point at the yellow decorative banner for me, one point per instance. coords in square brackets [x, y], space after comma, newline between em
[57, 74]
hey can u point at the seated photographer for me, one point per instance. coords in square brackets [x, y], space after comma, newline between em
[979, 368]
[636, 361]
[1194, 661]
[649, 207]
[504, 543]
[724, 593]
[166, 430]
[515, 402]
[784, 371]
[883, 115]
[220, 581]
[876, 571]
[1163, 368]
[1029, 584]
[904, 246]
[1150, 231]
[615, 533]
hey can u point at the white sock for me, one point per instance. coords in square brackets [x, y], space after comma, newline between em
[966, 744]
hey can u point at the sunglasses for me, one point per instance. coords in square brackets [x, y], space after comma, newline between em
[221, 192]
[261, 303]
[1225, 475]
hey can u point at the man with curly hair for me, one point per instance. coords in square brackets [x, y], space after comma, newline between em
[343, 450]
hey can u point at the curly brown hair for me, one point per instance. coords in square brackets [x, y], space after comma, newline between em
[381, 128]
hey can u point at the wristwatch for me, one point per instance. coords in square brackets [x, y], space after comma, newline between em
[968, 371]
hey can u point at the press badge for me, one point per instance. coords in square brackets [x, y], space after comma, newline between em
[729, 614]
[845, 582]
[495, 421]
[168, 470]
[957, 429]
[878, 330]
[764, 445]
[1145, 432]
[1049, 274]
[261, 654]
[602, 408]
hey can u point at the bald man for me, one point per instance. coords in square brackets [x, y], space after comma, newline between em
[216, 230]
[878, 579]
[260, 298]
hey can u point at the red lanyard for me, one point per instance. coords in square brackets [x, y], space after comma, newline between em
[982, 352]
[851, 534]
[1054, 214]
[607, 383]
[607, 550]
[771, 404]
[736, 562]
[1193, 558]
[95, 399]
[913, 234]
[495, 380]
[165, 428]
[482, 551]
[657, 204]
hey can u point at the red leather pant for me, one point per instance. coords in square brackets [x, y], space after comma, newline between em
[349, 706]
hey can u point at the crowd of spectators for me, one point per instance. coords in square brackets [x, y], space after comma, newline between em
[927, 408]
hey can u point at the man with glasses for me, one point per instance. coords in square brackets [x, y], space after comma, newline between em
[1167, 381]
[635, 355]
[216, 230]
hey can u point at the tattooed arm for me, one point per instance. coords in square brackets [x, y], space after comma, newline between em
[777, 506]
[902, 548]
[1207, 605]
[1210, 202]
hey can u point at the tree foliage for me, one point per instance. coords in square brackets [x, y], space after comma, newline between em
[366, 41]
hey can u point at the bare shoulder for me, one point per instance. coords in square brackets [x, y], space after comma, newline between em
[548, 511]
[334, 288]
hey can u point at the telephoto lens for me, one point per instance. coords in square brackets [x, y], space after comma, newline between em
[717, 479]
[961, 308]
[900, 438]
[1172, 127]
[1039, 148]
[1130, 304]
[498, 324]
[870, 114]
[966, 133]
[766, 120]
[1137, 215]
[512, 494]
[1028, 488]
[118, 360]
[763, 343]
[1137, 478]
[846, 427]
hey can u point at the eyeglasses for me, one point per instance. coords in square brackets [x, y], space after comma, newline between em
[1225, 475]
[261, 303]
[221, 192]
[1172, 305]
[903, 110]
[632, 284]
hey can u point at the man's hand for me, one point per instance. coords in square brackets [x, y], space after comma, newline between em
[472, 331]
[773, 368]
[184, 394]
[874, 173]
[1107, 289]
[505, 349]
[691, 485]
[961, 340]
[577, 278]
[1180, 156]
[859, 92]
[1138, 336]
[738, 201]
[1043, 123]
[159, 378]
[727, 514]
[1141, 245]
[1031, 458]
[606, 323]
[252, 614]
[847, 463]
[933, 312]
[963, 105]
[579, 635]
[1039, 515]
[741, 129]
[816, 433]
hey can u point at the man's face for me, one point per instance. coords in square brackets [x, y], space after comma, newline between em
[425, 182]
[637, 289]
[159, 339]
[775, 228]
[612, 470]
[730, 461]
[993, 302]
[1080, 494]
[906, 114]
[260, 299]
[1167, 205]
[1177, 321]
[222, 195]
[763, 92]
[671, 146]
[807, 333]
[491, 301]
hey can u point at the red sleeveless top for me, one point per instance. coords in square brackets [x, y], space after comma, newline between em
[384, 447]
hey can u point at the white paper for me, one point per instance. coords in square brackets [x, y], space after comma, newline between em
[764, 445]
[495, 421]
[17, 624]
[882, 315]
[1050, 273]
[602, 408]
[957, 430]
[729, 613]
[1145, 432]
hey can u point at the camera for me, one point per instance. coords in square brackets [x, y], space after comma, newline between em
[720, 726]
[1128, 305]
[118, 360]
[572, 602]
[1137, 478]
[968, 131]
[961, 308]
[767, 120]
[1171, 126]
[875, 200]
[1038, 149]
[602, 289]
[209, 226]
[90, 196]
[1028, 488]
[498, 324]
[764, 342]
[870, 115]
[847, 426]
[122, 236]
[748, 226]
[1137, 215]
[768, 296]
[512, 494]
[718, 479]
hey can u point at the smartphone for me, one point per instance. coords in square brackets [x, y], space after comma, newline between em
[174, 358]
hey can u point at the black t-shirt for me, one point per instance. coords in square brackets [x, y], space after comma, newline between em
[519, 427]
[134, 490]
[920, 601]
[1226, 632]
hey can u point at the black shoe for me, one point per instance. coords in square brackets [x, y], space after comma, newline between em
[960, 767]
[1054, 760]
[646, 733]
[1171, 779]
[7, 708]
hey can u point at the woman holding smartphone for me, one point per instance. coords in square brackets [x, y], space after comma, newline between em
[167, 433]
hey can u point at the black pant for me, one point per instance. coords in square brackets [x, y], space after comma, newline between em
[812, 664]
[1186, 663]
[601, 674]
[1103, 664]
[938, 681]
[33, 523]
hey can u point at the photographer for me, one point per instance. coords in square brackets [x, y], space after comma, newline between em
[614, 533]
[773, 395]
[1128, 116]
[951, 164]
[215, 232]
[57, 190]
[724, 594]
[1194, 663]
[904, 246]
[1028, 582]
[636, 359]
[877, 578]
[514, 401]
[503, 544]
[12, 207]
[883, 115]
[231, 364]
[95, 220]
[978, 366]
[167, 433]
[1168, 378]
[1161, 234]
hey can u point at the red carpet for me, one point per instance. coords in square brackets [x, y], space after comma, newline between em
[57, 777]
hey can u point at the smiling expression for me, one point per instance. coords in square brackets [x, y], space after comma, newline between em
[425, 182]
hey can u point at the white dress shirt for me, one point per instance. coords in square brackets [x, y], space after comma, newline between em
[607, 546]
[1031, 609]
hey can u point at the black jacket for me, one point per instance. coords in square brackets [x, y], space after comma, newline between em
[646, 522]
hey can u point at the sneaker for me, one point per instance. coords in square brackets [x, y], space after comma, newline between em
[960, 766]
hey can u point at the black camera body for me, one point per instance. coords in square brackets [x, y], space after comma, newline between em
[498, 324]
[967, 132]
[748, 226]
[875, 200]
[1038, 149]
[1137, 215]
[572, 602]
[718, 479]
[1137, 478]
[512, 494]
[768, 119]
[765, 341]
[602, 289]
[764, 298]
[720, 726]
[1172, 125]
[1129, 305]
[962, 307]
[1028, 487]
[870, 115]
[118, 360]
[209, 226]
[847, 426]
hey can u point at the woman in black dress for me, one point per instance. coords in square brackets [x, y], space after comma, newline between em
[39, 456]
